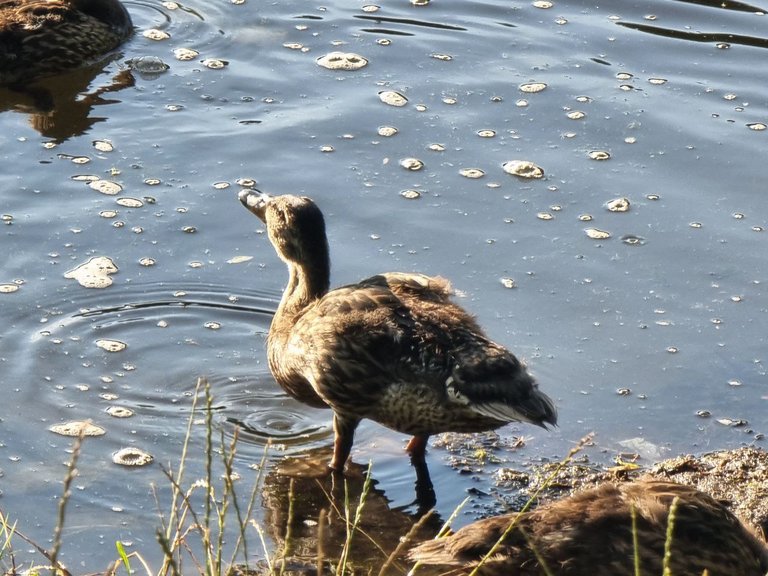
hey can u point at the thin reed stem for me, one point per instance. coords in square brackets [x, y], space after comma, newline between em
[320, 560]
[169, 557]
[209, 500]
[172, 531]
[352, 527]
[635, 540]
[259, 531]
[8, 532]
[405, 541]
[242, 519]
[62, 510]
[228, 497]
[287, 541]
[667, 570]
[443, 530]
[539, 557]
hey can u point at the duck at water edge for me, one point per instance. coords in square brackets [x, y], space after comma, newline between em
[592, 533]
[44, 37]
[393, 348]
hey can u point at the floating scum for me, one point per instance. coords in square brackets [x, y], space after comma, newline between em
[95, 273]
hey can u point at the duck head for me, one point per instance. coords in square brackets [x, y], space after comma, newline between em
[296, 229]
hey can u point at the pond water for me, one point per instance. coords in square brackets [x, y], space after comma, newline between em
[646, 325]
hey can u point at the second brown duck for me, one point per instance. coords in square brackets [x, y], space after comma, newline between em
[44, 37]
[592, 534]
[393, 348]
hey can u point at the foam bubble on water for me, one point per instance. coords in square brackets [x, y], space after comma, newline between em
[94, 273]
[523, 169]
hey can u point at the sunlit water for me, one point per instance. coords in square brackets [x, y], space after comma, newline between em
[652, 338]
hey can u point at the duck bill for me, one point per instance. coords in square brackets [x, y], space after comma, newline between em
[255, 201]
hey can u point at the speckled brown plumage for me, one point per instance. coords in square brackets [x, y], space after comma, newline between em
[393, 348]
[44, 37]
[591, 534]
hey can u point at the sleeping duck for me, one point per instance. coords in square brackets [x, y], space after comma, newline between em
[593, 533]
[45, 37]
[393, 348]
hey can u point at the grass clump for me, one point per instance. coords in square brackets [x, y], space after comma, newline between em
[205, 523]
[183, 520]
[206, 526]
[194, 527]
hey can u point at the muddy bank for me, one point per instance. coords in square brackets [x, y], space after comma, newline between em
[738, 477]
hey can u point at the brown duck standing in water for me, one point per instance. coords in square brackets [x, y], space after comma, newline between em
[393, 348]
[45, 37]
[591, 534]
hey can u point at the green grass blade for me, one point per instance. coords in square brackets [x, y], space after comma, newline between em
[667, 571]
[123, 555]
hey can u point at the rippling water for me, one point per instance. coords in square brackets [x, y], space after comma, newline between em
[633, 334]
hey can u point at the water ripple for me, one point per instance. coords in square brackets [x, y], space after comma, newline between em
[726, 5]
[410, 22]
[712, 37]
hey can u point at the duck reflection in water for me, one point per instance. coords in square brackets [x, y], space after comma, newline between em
[393, 348]
[305, 516]
[61, 107]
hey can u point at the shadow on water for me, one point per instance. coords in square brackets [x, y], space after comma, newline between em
[721, 38]
[411, 22]
[181, 303]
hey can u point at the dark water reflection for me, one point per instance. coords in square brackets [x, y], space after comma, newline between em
[305, 514]
[725, 40]
[62, 107]
[676, 319]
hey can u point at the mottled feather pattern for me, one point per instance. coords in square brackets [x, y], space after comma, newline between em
[591, 533]
[394, 348]
[367, 338]
[482, 374]
[42, 37]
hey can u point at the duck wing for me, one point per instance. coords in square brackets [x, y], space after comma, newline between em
[404, 329]
[485, 376]
[420, 286]
[356, 341]
[493, 382]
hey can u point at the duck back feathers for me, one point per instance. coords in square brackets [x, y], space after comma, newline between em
[43, 37]
[396, 349]
[592, 533]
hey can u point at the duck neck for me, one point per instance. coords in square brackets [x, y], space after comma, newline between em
[306, 283]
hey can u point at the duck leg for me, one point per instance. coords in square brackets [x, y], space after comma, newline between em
[417, 448]
[425, 492]
[344, 434]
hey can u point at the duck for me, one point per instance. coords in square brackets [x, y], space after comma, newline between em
[393, 348]
[45, 37]
[592, 533]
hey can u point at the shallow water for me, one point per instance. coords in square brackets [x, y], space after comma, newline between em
[670, 309]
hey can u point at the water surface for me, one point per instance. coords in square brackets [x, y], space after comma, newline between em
[652, 338]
